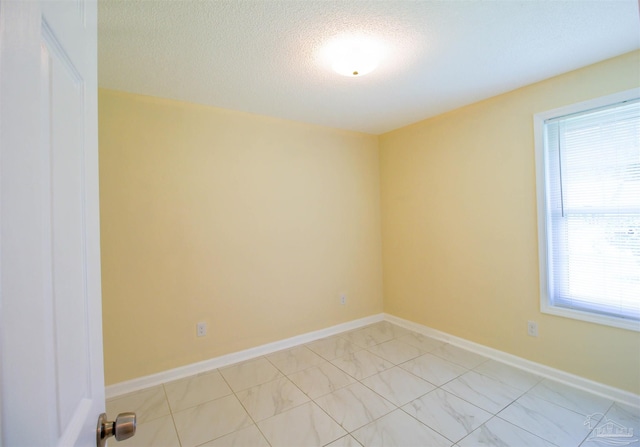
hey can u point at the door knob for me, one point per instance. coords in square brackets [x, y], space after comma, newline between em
[122, 428]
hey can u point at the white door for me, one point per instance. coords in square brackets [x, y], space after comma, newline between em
[51, 375]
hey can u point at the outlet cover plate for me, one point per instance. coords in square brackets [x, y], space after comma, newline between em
[532, 328]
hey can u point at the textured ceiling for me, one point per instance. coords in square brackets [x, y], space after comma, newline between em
[262, 56]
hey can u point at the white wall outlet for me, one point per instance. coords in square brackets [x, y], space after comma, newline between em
[532, 328]
[201, 329]
[343, 299]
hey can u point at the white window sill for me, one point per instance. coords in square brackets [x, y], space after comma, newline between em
[590, 317]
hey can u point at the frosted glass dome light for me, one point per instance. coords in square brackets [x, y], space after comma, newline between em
[354, 55]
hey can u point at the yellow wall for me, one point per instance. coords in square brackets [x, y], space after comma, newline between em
[460, 249]
[253, 225]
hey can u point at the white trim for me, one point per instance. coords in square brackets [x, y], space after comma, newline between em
[140, 383]
[581, 383]
[591, 317]
[590, 104]
[541, 186]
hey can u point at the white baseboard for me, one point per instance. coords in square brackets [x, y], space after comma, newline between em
[140, 383]
[600, 389]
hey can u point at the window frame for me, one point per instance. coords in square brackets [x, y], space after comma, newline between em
[543, 231]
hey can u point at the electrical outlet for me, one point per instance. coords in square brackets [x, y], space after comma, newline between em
[532, 328]
[201, 329]
[343, 299]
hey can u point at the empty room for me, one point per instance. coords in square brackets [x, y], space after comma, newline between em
[311, 223]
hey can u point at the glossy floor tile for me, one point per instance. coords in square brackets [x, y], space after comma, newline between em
[345, 441]
[459, 356]
[333, 347]
[621, 421]
[447, 414]
[514, 377]
[209, 421]
[148, 404]
[381, 385]
[250, 373]
[425, 344]
[295, 359]
[433, 369]
[571, 398]
[195, 390]
[499, 433]
[245, 437]
[322, 379]
[483, 391]
[547, 420]
[398, 386]
[155, 433]
[354, 406]
[398, 429]
[271, 398]
[396, 351]
[306, 425]
[362, 364]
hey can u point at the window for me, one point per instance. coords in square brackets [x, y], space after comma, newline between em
[588, 174]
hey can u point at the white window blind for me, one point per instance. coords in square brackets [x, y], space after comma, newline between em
[592, 195]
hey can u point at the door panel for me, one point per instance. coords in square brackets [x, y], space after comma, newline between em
[63, 116]
[51, 375]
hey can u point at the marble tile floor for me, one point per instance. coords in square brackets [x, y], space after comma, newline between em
[380, 385]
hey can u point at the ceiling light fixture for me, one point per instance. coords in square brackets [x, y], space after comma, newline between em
[354, 55]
